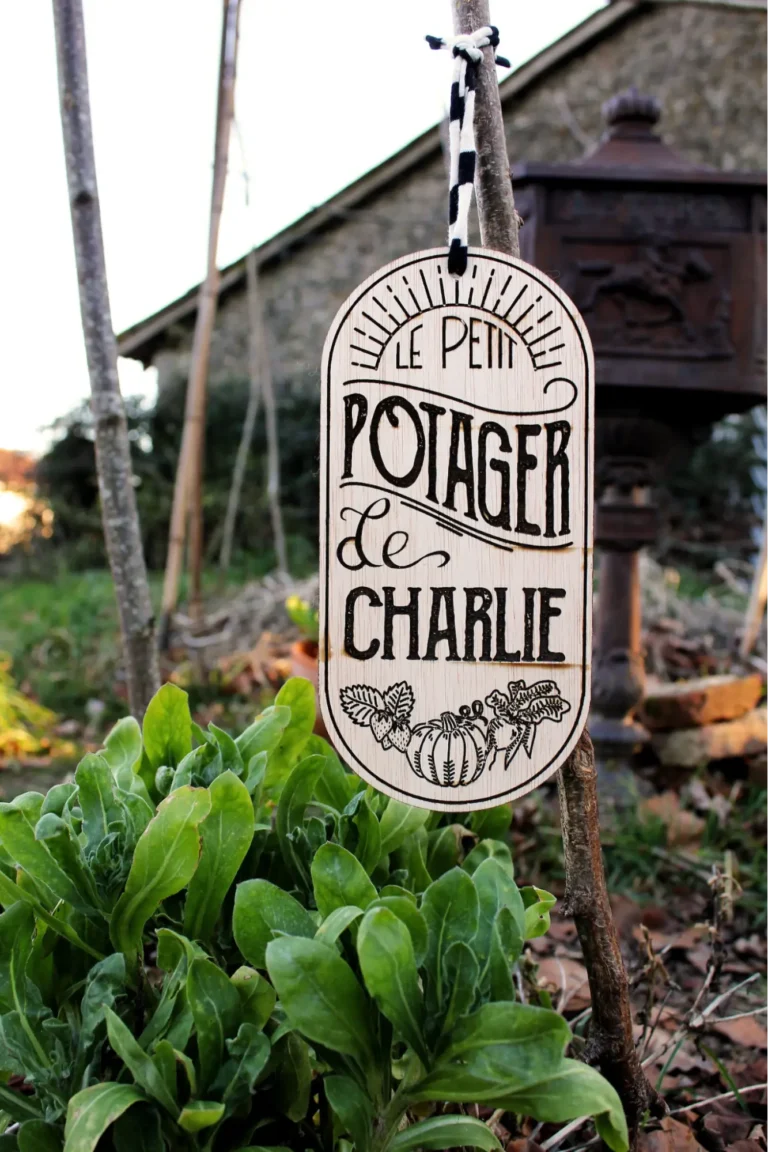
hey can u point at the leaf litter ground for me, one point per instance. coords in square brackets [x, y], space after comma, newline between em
[686, 871]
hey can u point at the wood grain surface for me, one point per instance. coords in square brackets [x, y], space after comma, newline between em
[456, 529]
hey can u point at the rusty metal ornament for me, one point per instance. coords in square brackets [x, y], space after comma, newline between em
[666, 262]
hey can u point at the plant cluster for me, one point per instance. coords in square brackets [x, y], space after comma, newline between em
[214, 943]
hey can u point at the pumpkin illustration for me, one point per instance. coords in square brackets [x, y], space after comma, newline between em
[449, 751]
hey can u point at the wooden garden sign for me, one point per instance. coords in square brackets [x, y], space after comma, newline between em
[456, 529]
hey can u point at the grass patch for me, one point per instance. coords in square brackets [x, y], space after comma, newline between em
[63, 637]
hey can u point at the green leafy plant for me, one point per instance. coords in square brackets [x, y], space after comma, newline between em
[222, 943]
[304, 616]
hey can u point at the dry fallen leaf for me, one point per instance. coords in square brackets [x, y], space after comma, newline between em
[671, 1136]
[566, 980]
[683, 827]
[749, 1031]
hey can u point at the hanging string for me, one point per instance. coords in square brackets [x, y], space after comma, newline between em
[467, 54]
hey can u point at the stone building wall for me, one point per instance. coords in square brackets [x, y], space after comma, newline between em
[704, 62]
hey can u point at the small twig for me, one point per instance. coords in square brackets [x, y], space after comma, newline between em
[715, 1099]
[739, 1016]
[656, 1022]
[695, 1020]
[556, 1140]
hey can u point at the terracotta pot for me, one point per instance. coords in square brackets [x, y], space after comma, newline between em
[304, 663]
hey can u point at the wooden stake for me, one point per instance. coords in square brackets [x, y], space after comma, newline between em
[113, 456]
[260, 372]
[187, 493]
[611, 1045]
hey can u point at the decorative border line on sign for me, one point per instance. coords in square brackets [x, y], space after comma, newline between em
[578, 708]
[395, 303]
[457, 747]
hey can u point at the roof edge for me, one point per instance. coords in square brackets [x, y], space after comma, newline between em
[140, 340]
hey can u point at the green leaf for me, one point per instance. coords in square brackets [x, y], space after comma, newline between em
[443, 849]
[37, 1136]
[391, 977]
[497, 1050]
[506, 946]
[122, 751]
[97, 800]
[254, 777]
[10, 893]
[446, 1132]
[411, 856]
[167, 727]
[18, 1105]
[142, 1068]
[91, 1112]
[164, 862]
[334, 787]
[489, 850]
[337, 923]
[496, 890]
[56, 798]
[491, 823]
[139, 1130]
[406, 911]
[462, 974]
[353, 1108]
[298, 695]
[63, 847]
[257, 996]
[537, 904]
[450, 908]
[368, 850]
[226, 835]
[40, 859]
[263, 911]
[231, 758]
[339, 879]
[199, 1114]
[251, 1049]
[398, 822]
[264, 734]
[293, 1077]
[296, 794]
[164, 1059]
[573, 1090]
[321, 996]
[215, 1004]
[105, 982]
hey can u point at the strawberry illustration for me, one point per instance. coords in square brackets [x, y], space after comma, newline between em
[400, 736]
[381, 725]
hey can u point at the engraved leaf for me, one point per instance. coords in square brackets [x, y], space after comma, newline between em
[545, 708]
[534, 691]
[361, 702]
[529, 737]
[399, 700]
[513, 747]
[497, 702]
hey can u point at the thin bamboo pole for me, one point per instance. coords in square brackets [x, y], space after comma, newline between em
[187, 493]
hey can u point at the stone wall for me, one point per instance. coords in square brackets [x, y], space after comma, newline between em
[704, 62]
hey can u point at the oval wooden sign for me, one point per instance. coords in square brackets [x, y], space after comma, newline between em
[456, 529]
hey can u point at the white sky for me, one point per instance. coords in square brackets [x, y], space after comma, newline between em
[325, 91]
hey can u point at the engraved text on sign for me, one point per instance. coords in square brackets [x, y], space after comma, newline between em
[456, 529]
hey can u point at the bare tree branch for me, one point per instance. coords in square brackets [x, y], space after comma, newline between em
[113, 456]
[611, 1046]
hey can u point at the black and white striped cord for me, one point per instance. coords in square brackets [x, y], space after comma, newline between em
[467, 54]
